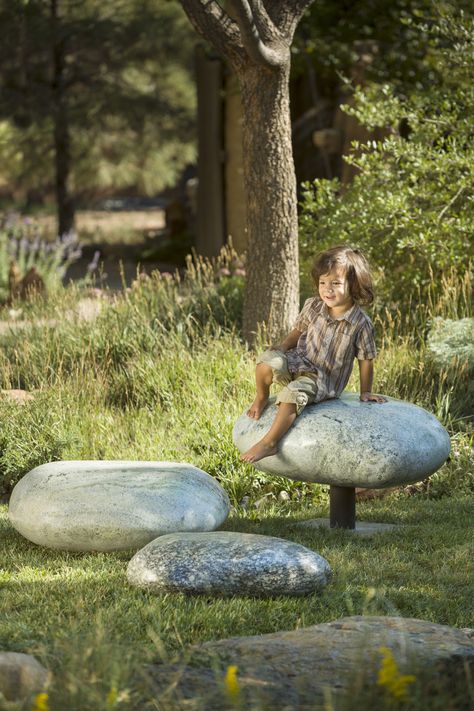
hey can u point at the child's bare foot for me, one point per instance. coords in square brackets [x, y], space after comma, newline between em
[257, 407]
[259, 451]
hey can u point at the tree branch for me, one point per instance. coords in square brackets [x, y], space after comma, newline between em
[287, 14]
[265, 24]
[262, 40]
[212, 22]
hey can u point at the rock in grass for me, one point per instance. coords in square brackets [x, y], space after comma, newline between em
[452, 339]
[228, 563]
[114, 505]
[298, 669]
[345, 442]
[20, 676]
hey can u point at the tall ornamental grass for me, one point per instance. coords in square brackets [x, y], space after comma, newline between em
[162, 373]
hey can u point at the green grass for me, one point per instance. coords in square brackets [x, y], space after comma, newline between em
[162, 374]
[55, 600]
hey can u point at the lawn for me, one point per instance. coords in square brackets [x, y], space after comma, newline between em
[161, 374]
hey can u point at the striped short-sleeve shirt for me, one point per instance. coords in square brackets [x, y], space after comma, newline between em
[328, 346]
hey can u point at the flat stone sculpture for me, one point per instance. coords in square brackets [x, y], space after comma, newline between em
[299, 668]
[114, 505]
[347, 443]
[228, 563]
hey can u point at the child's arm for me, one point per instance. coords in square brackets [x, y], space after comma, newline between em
[290, 341]
[366, 372]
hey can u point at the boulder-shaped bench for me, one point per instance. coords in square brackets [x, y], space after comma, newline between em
[228, 563]
[114, 505]
[347, 444]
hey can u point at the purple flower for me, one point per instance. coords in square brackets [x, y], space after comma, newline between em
[75, 254]
[92, 266]
[11, 219]
[68, 239]
[36, 244]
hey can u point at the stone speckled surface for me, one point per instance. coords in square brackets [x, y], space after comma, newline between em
[114, 505]
[295, 670]
[228, 563]
[346, 442]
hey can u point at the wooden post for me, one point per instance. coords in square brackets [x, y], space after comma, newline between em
[210, 228]
[235, 202]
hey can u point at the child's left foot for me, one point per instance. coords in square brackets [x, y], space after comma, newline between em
[259, 451]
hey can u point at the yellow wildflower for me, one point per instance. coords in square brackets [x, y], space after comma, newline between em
[40, 702]
[390, 678]
[112, 696]
[232, 685]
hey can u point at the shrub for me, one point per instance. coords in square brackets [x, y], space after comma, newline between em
[410, 206]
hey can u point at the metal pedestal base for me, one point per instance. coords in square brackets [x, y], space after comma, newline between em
[342, 512]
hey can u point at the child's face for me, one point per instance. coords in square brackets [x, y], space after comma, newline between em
[334, 290]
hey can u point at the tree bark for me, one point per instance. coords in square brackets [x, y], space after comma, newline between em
[272, 289]
[62, 143]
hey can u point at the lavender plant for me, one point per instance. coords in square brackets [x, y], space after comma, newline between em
[22, 242]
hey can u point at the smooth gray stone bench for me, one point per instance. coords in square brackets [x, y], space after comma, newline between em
[347, 444]
[114, 505]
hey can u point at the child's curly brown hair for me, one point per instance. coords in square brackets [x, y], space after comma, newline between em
[355, 266]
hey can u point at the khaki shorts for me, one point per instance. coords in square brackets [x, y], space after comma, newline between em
[300, 389]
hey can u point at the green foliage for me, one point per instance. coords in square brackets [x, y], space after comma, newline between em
[160, 373]
[410, 207]
[128, 88]
[387, 42]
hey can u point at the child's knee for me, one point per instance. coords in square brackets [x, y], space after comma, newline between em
[277, 362]
[294, 396]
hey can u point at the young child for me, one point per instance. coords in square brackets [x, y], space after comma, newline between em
[315, 360]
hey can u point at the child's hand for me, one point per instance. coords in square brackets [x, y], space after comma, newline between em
[371, 397]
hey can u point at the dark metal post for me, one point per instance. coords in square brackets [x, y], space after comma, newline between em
[342, 507]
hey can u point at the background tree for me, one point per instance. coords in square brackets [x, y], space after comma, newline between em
[103, 91]
[257, 46]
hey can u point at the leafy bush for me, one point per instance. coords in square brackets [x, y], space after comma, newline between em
[410, 207]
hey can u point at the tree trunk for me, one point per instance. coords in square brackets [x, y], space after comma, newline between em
[62, 144]
[272, 289]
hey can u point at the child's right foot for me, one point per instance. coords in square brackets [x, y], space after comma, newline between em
[257, 407]
[259, 451]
